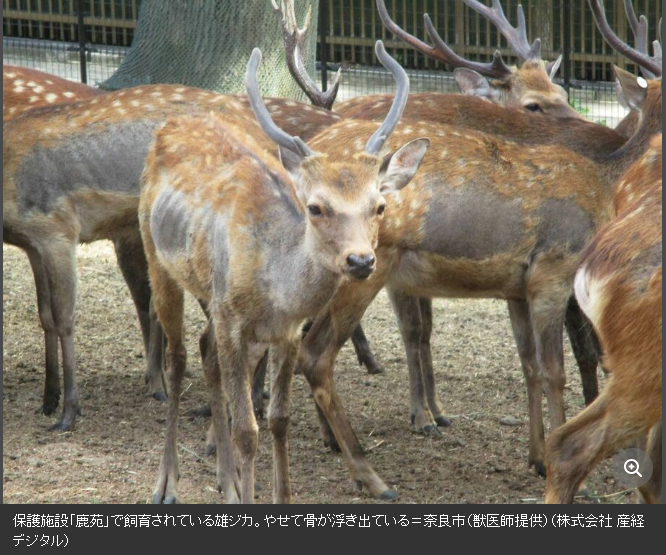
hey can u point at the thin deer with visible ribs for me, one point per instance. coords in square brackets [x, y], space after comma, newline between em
[264, 249]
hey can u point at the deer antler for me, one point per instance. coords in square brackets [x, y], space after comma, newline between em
[378, 139]
[442, 51]
[294, 144]
[651, 65]
[515, 36]
[294, 41]
[639, 27]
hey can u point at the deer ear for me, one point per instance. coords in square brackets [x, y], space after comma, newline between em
[290, 160]
[473, 84]
[399, 168]
[632, 90]
[553, 67]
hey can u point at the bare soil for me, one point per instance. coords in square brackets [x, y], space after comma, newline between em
[114, 453]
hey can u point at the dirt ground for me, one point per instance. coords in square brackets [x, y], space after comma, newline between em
[113, 455]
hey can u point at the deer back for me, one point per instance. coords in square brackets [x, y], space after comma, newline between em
[586, 138]
[24, 89]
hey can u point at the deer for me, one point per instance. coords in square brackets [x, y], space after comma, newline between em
[529, 87]
[593, 141]
[295, 232]
[437, 242]
[619, 286]
[23, 89]
[66, 180]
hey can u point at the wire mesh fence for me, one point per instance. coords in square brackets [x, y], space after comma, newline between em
[50, 35]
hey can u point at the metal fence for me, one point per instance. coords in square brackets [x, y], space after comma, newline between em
[87, 39]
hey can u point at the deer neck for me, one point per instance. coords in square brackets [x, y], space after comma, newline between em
[302, 284]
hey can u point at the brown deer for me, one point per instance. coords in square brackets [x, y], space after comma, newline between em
[593, 141]
[211, 195]
[25, 89]
[484, 217]
[529, 87]
[71, 174]
[619, 286]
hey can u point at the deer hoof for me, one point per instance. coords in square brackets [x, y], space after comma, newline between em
[170, 500]
[374, 369]
[430, 430]
[539, 467]
[389, 495]
[443, 421]
[50, 405]
[160, 396]
[62, 426]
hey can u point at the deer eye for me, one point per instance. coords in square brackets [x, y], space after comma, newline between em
[381, 209]
[533, 107]
[314, 210]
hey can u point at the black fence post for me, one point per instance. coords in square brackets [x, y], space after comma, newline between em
[82, 41]
[323, 48]
[566, 47]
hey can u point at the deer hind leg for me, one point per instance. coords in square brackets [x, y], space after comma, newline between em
[283, 362]
[59, 264]
[169, 305]
[585, 348]
[364, 353]
[651, 492]
[44, 306]
[618, 417]
[134, 267]
[227, 478]
[522, 331]
[408, 313]
[236, 369]
[425, 306]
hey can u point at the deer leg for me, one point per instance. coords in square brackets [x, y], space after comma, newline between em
[59, 264]
[651, 492]
[168, 299]
[227, 479]
[236, 371]
[548, 322]
[258, 386]
[408, 312]
[364, 353]
[425, 306]
[134, 267]
[522, 331]
[284, 360]
[581, 336]
[320, 348]
[52, 377]
[621, 414]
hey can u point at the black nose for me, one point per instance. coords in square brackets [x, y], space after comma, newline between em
[361, 266]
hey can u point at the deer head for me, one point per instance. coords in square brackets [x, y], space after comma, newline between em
[343, 198]
[529, 86]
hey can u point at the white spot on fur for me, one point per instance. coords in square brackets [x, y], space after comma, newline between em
[49, 82]
[135, 103]
[138, 91]
[34, 99]
[51, 98]
[443, 154]
[10, 74]
[68, 94]
[290, 103]
[177, 97]
[38, 89]
[117, 104]
[18, 89]
[180, 89]
[19, 82]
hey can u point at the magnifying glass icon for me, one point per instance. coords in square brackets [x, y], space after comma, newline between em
[631, 467]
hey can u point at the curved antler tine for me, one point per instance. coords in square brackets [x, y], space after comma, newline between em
[294, 41]
[380, 136]
[413, 41]
[441, 51]
[643, 60]
[497, 68]
[295, 144]
[515, 36]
